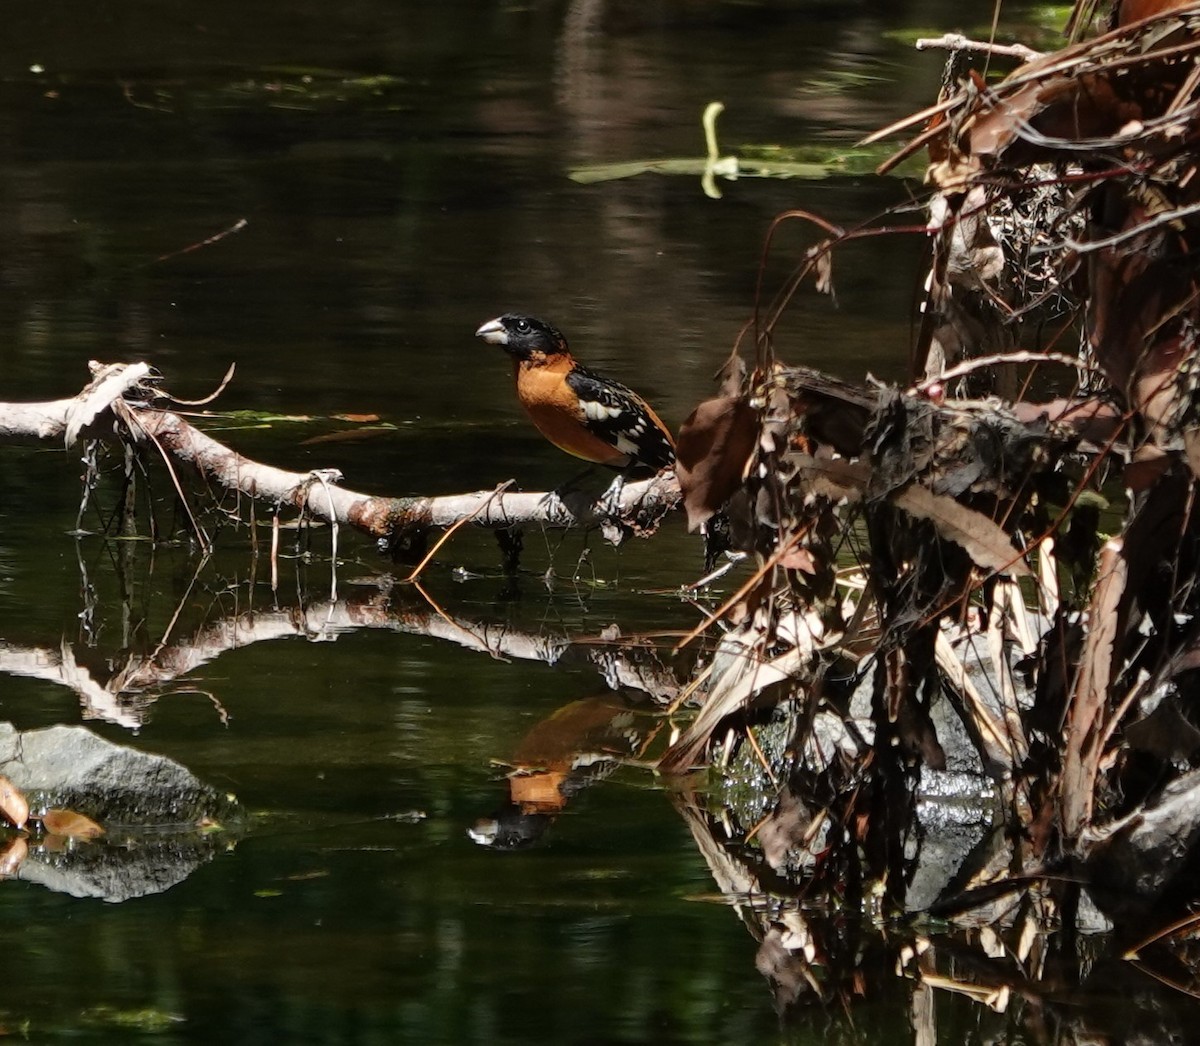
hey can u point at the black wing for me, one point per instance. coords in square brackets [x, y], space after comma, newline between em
[621, 418]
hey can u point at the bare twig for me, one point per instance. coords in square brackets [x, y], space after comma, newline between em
[1021, 356]
[958, 42]
[416, 571]
[237, 226]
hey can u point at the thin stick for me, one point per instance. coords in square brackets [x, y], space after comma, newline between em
[1188, 922]
[213, 395]
[753, 580]
[237, 226]
[321, 475]
[1162, 979]
[120, 408]
[275, 551]
[688, 690]
[958, 42]
[412, 578]
[1162, 218]
[761, 758]
[1020, 356]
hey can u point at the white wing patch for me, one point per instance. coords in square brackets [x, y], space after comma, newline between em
[596, 411]
[619, 417]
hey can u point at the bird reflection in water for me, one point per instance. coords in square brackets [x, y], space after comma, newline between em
[578, 745]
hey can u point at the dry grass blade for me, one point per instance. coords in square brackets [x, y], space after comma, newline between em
[1090, 695]
[1004, 748]
[731, 692]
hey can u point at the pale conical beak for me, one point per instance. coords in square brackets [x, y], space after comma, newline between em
[493, 333]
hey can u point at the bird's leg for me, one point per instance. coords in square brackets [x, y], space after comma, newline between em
[567, 487]
[574, 481]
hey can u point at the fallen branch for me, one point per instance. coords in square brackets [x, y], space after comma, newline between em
[118, 404]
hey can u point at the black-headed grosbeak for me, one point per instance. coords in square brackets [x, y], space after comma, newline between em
[579, 411]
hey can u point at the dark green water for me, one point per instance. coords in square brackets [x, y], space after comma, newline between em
[402, 171]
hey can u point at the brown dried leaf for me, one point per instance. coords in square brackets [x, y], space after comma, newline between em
[712, 450]
[12, 803]
[823, 271]
[984, 541]
[732, 375]
[13, 856]
[70, 824]
[1148, 465]
[833, 478]
[1130, 11]
[1165, 733]
[799, 559]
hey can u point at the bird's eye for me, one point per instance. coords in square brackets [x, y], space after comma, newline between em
[523, 327]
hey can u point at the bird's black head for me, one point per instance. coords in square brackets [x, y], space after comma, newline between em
[523, 337]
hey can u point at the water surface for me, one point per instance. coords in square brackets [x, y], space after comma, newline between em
[402, 171]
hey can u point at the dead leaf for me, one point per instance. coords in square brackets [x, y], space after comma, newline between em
[1129, 11]
[799, 559]
[12, 803]
[1148, 465]
[712, 450]
[356, 417]
[823, 271]
[13, 856]
[1165, 732]
[983, 540]
[1089, 697]
[833, 478]
[70, 824]
[732, 375]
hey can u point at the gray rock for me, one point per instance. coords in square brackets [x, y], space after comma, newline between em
[160, 821]
[73, 768]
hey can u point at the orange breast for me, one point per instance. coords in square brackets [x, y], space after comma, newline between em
[554, 409]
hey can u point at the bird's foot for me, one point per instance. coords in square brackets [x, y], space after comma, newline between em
[551, 502]
[610, 501]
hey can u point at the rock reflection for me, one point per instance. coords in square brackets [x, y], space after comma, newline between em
[159, 821]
